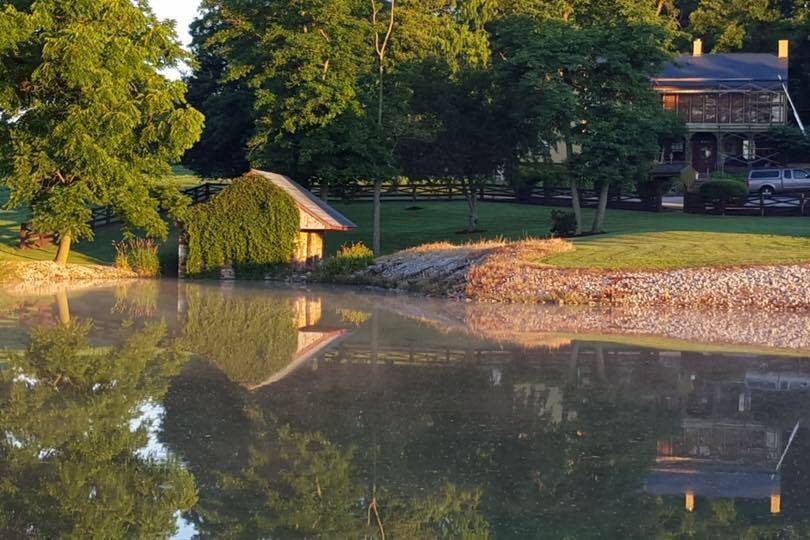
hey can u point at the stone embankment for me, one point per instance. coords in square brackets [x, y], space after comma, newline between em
[514, 273]
[46, 272]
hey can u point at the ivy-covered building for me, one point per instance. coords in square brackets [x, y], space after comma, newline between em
[316, 218]
[730, 103]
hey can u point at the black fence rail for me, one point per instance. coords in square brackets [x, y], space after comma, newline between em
[392, 190]
[789, 204]
[104, 217]
[454, 190]
[588, 198]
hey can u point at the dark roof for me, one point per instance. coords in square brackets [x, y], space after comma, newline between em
[328, 217]
[732, 71]
[669, 169]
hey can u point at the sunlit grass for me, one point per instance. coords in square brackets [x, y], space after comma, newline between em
[639, 240]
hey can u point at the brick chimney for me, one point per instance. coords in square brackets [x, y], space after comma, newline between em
[784, 49]
[697, 47]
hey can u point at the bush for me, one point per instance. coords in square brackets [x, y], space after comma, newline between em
[138, 255]
[348, 260]
[722, 192]
[251, 224]
[564, 223]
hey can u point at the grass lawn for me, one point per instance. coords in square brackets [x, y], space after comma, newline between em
[633, 239]
[99, 251]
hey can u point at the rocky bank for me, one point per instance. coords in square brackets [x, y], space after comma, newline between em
[514, 273]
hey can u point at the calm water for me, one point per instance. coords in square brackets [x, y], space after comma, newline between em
[183, 410]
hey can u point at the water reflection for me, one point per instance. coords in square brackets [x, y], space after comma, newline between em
[68, 455]
[301, 414]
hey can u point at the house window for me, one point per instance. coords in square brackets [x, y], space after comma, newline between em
[670, 102]
[737, 108]
[724, 108]
[684, 102]
[749, 149]
[778, 109]
[710, 109]
[696, 114]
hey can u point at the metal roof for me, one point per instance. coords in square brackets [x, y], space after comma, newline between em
[328, 217]
[725, 71]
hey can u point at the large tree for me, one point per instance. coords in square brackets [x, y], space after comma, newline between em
[227, 106]
[86, 117]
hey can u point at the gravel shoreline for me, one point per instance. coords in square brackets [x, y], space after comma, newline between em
[509, 273]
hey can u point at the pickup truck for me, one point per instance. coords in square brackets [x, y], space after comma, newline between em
[770, 181]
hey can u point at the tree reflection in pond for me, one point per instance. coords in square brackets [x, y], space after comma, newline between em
[69, 458]
[308, 416]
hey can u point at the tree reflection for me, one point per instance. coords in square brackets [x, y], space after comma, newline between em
[69, 457]
[246, 337]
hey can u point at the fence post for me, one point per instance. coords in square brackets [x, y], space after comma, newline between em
[108, 215]
[450, 190]
[207, 191]
[762, 205]
[803, 202]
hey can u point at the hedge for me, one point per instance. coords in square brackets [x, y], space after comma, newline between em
[251, 223]
[723, 191]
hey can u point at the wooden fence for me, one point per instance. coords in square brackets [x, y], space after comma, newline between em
[790, 204]
[104, 217]
[453, 190]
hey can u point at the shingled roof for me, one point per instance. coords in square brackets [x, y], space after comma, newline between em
[740, 71]
[322, 216]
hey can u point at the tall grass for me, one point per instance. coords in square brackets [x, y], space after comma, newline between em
[140, 255]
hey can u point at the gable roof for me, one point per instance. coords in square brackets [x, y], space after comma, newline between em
[738, 71]
[326, 216]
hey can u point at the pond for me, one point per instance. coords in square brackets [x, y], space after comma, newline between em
[171, 409]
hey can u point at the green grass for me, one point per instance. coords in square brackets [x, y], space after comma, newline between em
[633, 240]
[99, 251]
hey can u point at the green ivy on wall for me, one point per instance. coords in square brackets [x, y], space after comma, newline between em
[251, 223]
[249, 339]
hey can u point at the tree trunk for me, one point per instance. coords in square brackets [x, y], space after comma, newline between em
[472, 204]
[599, 219]
[63, 252]
[325, 190]
[63, 307]
[376, 243]
[575, 205]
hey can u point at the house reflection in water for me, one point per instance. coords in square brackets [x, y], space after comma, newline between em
[314, 338]
[732, 435]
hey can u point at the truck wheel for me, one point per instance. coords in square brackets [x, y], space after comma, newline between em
[766, 191]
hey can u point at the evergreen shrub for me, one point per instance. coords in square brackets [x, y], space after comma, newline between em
[349, 259]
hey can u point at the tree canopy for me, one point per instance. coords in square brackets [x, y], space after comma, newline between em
[86, 117]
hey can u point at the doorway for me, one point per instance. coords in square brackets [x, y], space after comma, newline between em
[704, 153]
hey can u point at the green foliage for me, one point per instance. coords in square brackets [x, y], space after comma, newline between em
[249, 339]
[70, 457]
[729, 22]
[349, 259]
[564, 223]
[723, 192]
[138, 255]
[227, 106]
[250, 224]
[86, 118]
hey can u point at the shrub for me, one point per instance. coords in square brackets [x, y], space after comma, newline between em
[349, 259]
[722, 192]
[564, 223]
[138, 255]
[251, 224]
